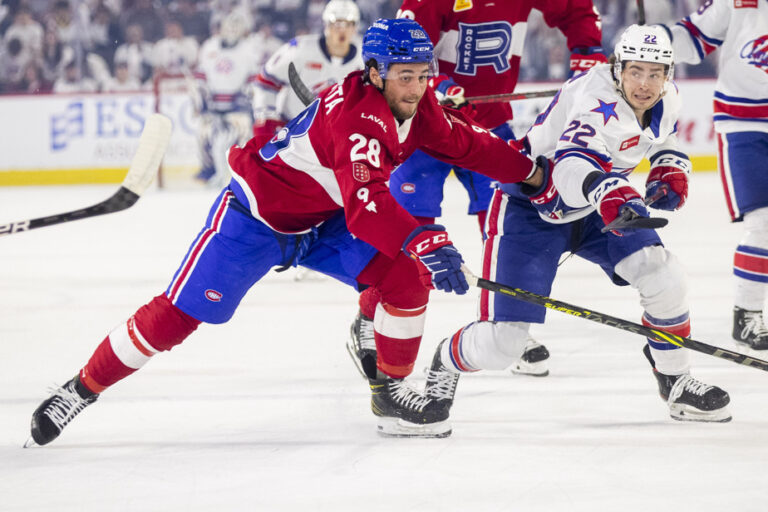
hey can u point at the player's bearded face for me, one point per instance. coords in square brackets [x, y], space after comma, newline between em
[405, 85]
[643, 83]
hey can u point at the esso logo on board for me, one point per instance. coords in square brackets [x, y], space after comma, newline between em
[213, 295]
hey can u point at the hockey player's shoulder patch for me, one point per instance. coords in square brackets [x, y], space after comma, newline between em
[462, 5]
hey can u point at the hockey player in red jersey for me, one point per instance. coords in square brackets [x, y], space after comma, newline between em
[317, 195]
[478, 47]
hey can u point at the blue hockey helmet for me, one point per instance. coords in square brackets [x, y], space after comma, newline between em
[397, 41]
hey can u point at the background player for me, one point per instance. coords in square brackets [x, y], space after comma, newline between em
[478, 47]
[227, 63]
[321, 61]
[741, 123]
[317, 195]
[596, 130]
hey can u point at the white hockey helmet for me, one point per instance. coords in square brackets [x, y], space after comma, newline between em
[234, 27]
[643, 43]
[341, 10]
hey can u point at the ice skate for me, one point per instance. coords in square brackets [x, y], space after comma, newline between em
[402, 411]
[441, 383]
[689, 399]
[533, 362]
[362, 346]
[55, 413]
[749, 328]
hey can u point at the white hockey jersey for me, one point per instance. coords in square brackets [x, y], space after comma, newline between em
[223, 73]
[589, 126]
[273, 97]
[740, 29]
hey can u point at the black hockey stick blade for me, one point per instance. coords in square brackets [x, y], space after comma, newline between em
[618, 323]
[298, 86]
[631, 220]
[149, 153]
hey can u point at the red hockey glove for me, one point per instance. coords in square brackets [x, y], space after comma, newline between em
[545, 198]
[263, 131]
[451, 94]
[670, 169]
[610, 194]
[583, 58]
[438, 260]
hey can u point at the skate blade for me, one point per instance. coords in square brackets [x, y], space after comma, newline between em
[688, 413]
[30, 443]
[395, 427]
[531, 369]
[749, 346]
[353, 355]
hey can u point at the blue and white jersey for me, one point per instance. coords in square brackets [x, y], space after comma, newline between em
[589, 127]
[740, 30]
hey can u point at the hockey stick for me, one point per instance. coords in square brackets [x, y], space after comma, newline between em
[618, 323]
[640, 12]
[630, 219]
[152, 145]
[511, 96]
[298, 86]
[306, 96]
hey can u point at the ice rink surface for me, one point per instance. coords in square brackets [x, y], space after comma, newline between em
[267, 413]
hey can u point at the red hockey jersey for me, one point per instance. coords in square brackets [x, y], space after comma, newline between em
[479, 43]
[339, 152]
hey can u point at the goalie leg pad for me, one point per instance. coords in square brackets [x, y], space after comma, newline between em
[155, 327]
[485, 346]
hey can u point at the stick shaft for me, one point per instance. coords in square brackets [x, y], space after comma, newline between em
[618, 323]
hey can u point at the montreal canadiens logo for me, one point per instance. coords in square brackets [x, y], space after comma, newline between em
[213, 295]
[756, 52]
[408, 188]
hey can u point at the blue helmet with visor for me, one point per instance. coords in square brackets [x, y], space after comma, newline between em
[397, 41]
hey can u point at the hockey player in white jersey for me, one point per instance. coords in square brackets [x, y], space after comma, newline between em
[595, 131]
[321, 61]
[740, 30]
[227, 64]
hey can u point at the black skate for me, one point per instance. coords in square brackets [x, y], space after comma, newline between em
[56, 412]
[689, 399]
[749, 328]
[362, 346]
[533, 362]
[402, 411]
[441, 383]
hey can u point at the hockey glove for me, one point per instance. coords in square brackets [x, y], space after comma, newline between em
[583, 58]
[451, 94]
[438, 260]
[669, 169]
[611, 194]
[263, 131]
[546, 199]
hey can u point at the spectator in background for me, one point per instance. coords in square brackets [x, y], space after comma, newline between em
[137, 53]
[175, 53]
[122, 81]
[54, 56]
[68, 29]
[72, 80]
[142, 13]
[27, 31]
[32, 82]
[104, 32]
[13, 60]
[196, 22]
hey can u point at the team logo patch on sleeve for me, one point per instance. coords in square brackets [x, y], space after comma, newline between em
[361, 172]
[629, 143]
[744, 4]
